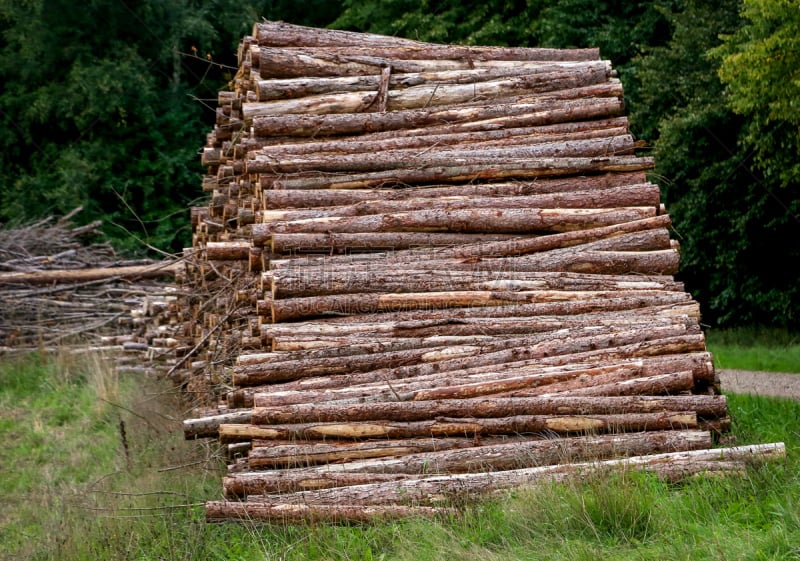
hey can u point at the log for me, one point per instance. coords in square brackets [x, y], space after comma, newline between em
[706, 407]
[285, 513]
[290, 284]
[543, 426]
[474, 117]
[271, 455]
[292, 243]
[433, 489]
[364, 303]
[209, 426]
[523, 169]
[336, 197]
[619, 197]
[282, 34]
[482, 220]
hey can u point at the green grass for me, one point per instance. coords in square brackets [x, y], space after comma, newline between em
[73, 490]
[770, 350]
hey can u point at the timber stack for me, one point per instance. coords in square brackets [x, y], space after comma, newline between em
[437, 271]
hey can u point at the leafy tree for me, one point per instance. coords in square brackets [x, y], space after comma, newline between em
[105, 105]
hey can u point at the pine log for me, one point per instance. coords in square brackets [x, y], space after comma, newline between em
[271, 454]
[619, 197]
[336, 197]
[474, 117]
[313, 283]
[292, 243]
[706, 407]
[280, 34]
[446, 488]
[209, 426]
[543, 426]
[522, 169]
[228, 250]
[363, 303]
[287, 513]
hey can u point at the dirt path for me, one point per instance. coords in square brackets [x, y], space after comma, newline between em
[761, 383]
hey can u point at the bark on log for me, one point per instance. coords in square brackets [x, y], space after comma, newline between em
[474, 117]
[524, 169]
[54, 276]
[209, 426]
[443, 488]
[619, 197]
[280, 34]
[543, 426]
[292, 243]
[287, 513]
[335, 197]
[706, 407]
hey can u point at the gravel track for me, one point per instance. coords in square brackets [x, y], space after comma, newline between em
[760, 383]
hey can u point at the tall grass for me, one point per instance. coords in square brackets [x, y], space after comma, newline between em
[747, 348]
[74, 489]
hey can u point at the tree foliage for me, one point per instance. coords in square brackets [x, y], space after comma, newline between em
[105, 105]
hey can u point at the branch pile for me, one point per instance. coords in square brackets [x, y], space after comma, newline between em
[63, 290]
[440, 271]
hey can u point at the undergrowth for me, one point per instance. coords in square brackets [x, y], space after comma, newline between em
[94, 467]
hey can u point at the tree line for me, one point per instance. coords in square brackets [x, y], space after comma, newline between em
[106, 106]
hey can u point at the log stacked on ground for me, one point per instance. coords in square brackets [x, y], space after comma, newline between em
[436, 268]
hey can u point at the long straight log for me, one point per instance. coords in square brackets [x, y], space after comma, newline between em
[483, 220]
[291, 243]
[629, 196]
[522, 169]
[280, 34]
[288, 513]
[306, 62]
[706, 406]
[443, 488]
[364, 303]
[336, 197]
[50, 276]
[271, 455]
[497, 114]
[543, 426]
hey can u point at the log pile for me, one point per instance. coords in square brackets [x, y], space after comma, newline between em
[439, 271]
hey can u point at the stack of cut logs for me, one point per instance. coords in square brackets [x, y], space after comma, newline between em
[441, 272]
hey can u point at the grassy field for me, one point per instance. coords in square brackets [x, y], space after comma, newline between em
[770, 350]
[93, 466]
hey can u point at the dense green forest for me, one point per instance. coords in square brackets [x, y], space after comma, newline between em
[105, 104]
